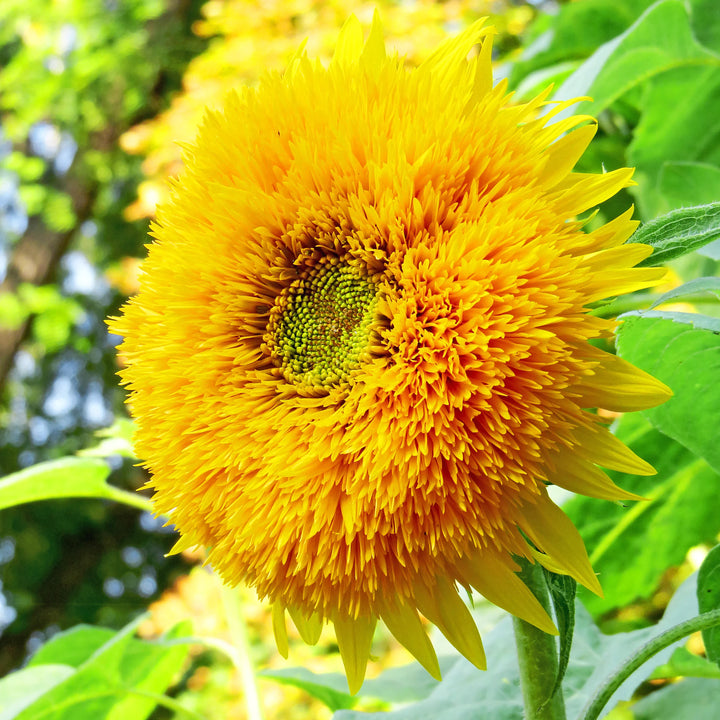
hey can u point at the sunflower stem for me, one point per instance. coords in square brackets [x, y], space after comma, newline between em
[241, 655]
[652, 647]
[538, 655]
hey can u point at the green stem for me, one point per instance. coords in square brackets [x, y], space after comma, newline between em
[133, 499]
[537, 655]
[241, 647]
[652, 647]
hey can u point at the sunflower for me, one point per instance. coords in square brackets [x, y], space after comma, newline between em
[361, 348]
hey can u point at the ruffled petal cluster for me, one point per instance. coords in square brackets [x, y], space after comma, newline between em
[361, 348]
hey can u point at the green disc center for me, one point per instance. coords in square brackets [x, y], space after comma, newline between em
[321, 325]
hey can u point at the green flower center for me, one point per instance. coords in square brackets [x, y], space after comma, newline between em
[321, 325]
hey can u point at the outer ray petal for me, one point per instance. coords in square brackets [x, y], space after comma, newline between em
[619, 282]
[496, 582]
[617, 385]
[483, 69]
[280, 629]
[451, 56]
[612, 234]
[350, 43]
[617, 258]
[582, 191]
[405, 625]
[184, 543]
[309, 626]
[354, 637]
[552, 531]
[444, 608]
[599, 445]
[373, 54]
[563, 154]
[580, 476]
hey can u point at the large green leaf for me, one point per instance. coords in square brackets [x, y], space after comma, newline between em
[632, 545]
[696, 698]
[660, 40]
[709, 599]
[696, 320]
[688, 360]
[599, 21]
[23, 687]
[706, 23]
[466, 692]
[680, 122]
[71, 477]
[101, 673]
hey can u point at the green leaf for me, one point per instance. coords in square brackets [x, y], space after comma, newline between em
[64, 478]
[114, 440]
[660, 40]
[692, 287]
[467, 692]
[706, 23]
[696, 698]
[683, 663]
[631, 545]
[708, 593]
[600, 20]
[563, 590]
[111, 675]
[326, 688]
[687, 183]
[679, 232]
[680, 122]
[688, 360]
[22, 687]
[696, 320]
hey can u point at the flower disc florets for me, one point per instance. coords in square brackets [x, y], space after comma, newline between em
[321, 325]
[360, 351]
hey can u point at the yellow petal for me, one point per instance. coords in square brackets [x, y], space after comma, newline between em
[373, 54]
[184, 543]
[309, 626]
[280, 629]
[617, 385]
[612, 234]
[600, 446]
[564, 153]
[354, 638]
[580, 191]
[554, 534]
[350, 43]
[405, 625]
[497, 582]
[618, 282]
[443, 607]
[580, 476]
[483, 68]
[451, 56]
[617, 258]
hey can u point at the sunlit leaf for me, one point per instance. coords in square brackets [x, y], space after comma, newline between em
[64, 478]
[467, 692]
[111, 675]
[696, 698]
[661, 39]
[688, 361]
[631, 545]
[708, 593]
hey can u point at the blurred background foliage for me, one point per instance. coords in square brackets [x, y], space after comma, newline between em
[95, 98]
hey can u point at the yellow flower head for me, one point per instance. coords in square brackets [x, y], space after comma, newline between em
[360, 352]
